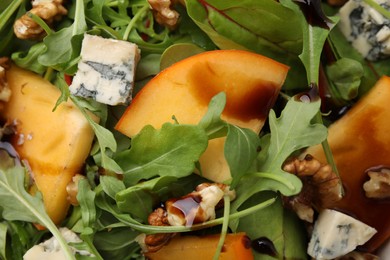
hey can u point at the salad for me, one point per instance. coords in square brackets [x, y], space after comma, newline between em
[138, 129]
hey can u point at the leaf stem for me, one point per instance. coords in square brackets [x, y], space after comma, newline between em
[225, 225]
[40, 22]
[276, 177]
[148, 229]
[133, 21]
[329, 155]
[8, 12]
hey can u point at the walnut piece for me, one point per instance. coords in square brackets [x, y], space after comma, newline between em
[198, 206]
[321, 186]
[49, 10]
[154, 242]
[195, 207]
[164, 13]
[5, 91]
[378, 187]
[72, 189]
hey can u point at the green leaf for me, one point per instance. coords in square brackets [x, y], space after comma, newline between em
[63, 46]
[345, 74]
[240, 150]
[140, 200]
[12, 189]
[313, 37]
[29, 60]
[170, 151]
[371, 70]
[178, 52]
[105, 138]
[290, 132]
[117, 243]
[278, 225]
[211, 122]
[3, 239]
[111, 185]
[86, 198]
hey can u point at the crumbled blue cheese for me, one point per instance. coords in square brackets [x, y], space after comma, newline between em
[366, 29]
[336, 234]
[51, 249]
[106, 70]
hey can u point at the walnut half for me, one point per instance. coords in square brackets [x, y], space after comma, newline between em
[321, 186]
[164, 13]
[49, 10]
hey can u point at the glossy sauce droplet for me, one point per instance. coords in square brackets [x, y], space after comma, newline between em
[309, 96]
[186, 207]
[265, 246]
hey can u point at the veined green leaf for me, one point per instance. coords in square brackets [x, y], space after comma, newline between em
[172, 150]
[240, 150]
[290, 132]
[313, 36]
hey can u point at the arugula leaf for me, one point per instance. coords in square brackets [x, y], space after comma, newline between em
[172, 150]
[240, 150]
[64, 46]
[105, 138]
[111, 185]
[117, 243]
[12, 189]
[89, 215]
[211, 122]
[29, 60]
[345, 75]
[290, 132]
[140, 200]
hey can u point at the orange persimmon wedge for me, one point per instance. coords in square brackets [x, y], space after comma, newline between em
[236, 246]
[360, 140]
[251, 83]
[55, 144]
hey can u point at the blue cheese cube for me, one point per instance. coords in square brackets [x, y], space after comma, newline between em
[366, 29]
[336, 234]
[106, 70]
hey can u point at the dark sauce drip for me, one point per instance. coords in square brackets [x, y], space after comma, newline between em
[314, 14]
[309, 96]
[187, 207]
[264, 245]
